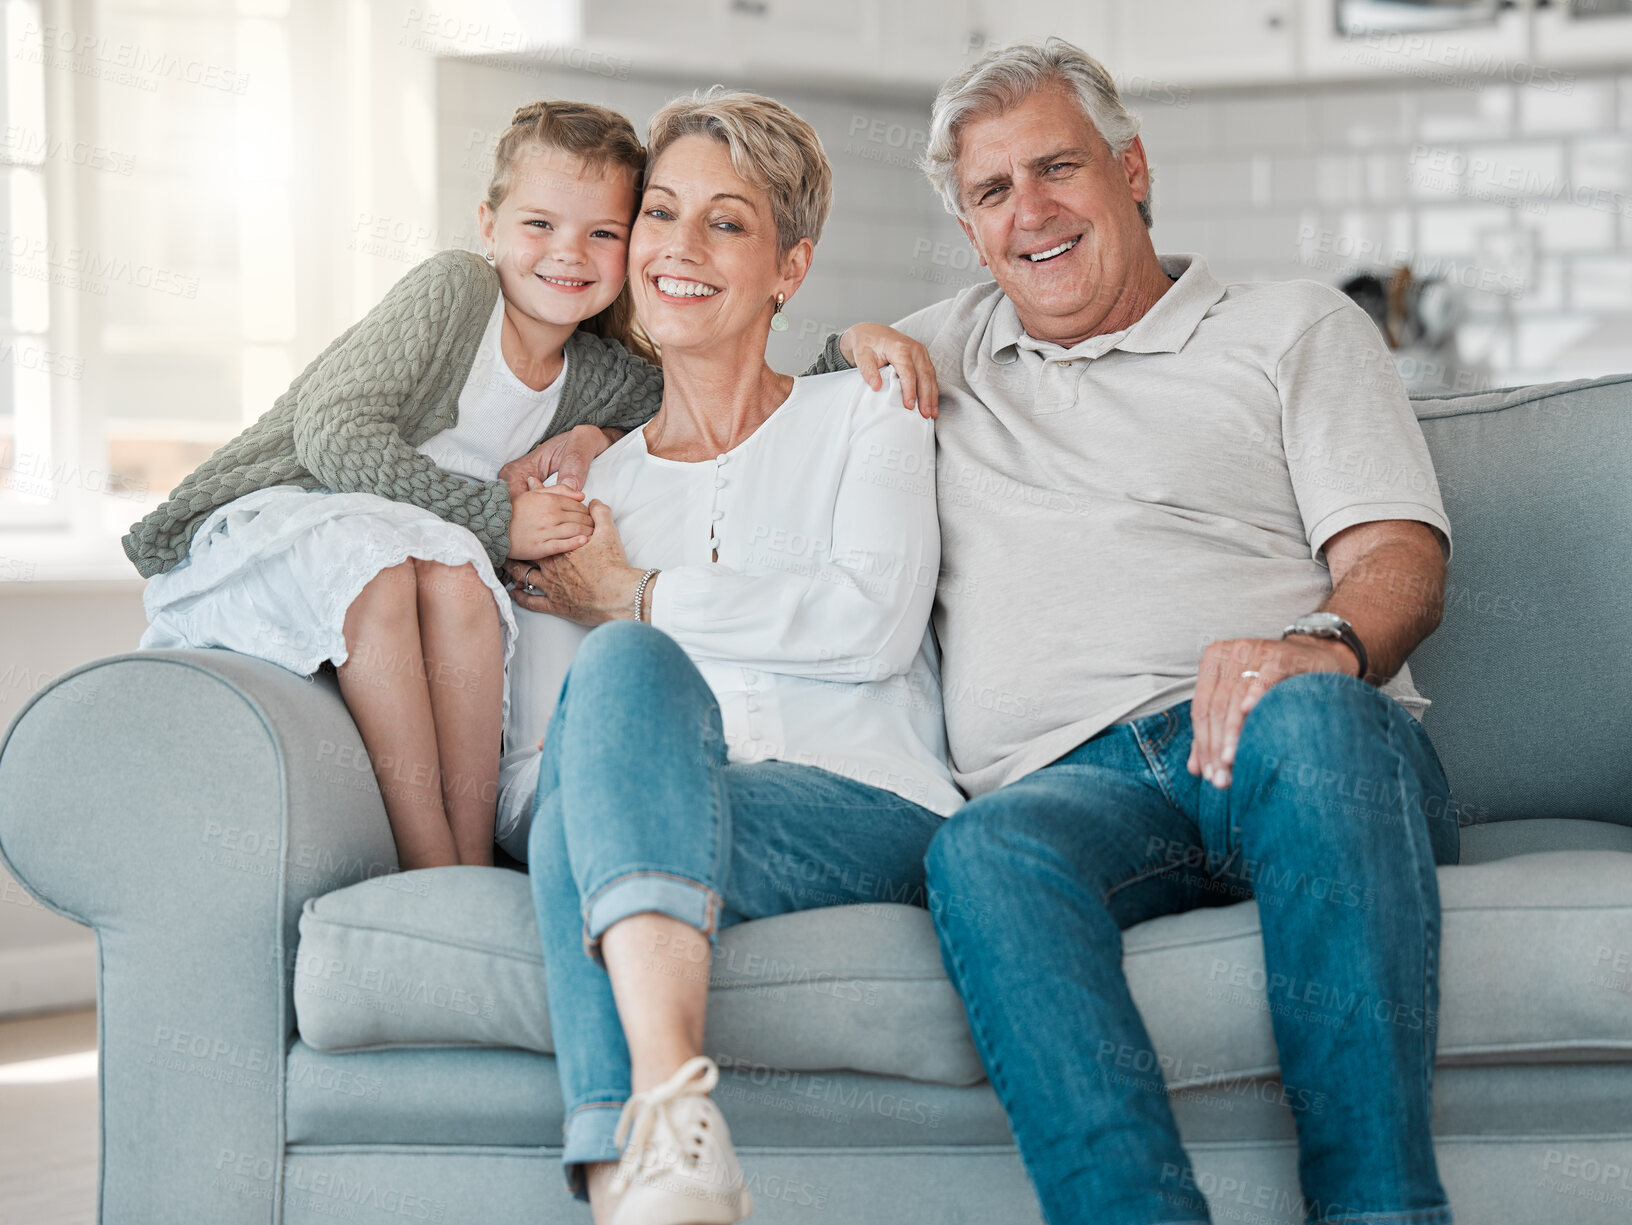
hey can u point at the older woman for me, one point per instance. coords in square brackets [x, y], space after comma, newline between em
[759, 729]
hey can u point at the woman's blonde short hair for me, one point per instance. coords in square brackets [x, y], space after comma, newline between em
[770, 147]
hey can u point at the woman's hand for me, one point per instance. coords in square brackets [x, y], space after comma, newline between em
[545, 522]
[590, 584]
[870, 346]
[569, 453]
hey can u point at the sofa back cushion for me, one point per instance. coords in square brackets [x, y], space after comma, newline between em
[1530, 672]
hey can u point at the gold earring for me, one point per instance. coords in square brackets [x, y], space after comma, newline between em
[779, 321]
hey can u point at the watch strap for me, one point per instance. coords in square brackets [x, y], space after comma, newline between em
[1343, 632]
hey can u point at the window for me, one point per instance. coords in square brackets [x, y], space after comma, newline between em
[147, 292]
[29, 371]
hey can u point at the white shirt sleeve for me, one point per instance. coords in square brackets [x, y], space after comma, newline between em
[859, 611]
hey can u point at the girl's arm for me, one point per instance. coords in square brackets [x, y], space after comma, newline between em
[347, 419]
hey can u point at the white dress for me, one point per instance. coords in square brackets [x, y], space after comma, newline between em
[271, 574]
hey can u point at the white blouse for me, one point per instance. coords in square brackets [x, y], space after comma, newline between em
[500, 417]
[812, 628]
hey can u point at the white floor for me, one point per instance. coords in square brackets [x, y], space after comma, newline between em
[48, 1136]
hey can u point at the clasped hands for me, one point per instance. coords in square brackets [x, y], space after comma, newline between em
[565, 554]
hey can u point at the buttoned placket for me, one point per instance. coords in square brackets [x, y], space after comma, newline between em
[716, 516]
[1059, 383]
[715, 513]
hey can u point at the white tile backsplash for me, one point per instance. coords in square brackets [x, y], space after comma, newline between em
[1600, 167]
[1385, 177]
[1180, 185]
[1275, 121]
[1179, 129]
[1602, 283]
[1569, 227]
[1462, 114]
[1578, 105]
[1522, 196]
[1355, 119]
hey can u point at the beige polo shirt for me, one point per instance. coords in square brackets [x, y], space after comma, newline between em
[1109, 509]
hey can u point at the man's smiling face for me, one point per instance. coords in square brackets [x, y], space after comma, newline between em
[1054, 215]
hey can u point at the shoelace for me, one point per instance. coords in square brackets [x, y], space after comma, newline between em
[696, 1078]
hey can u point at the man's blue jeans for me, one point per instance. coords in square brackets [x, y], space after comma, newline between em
[637, 811]
[1336, 816]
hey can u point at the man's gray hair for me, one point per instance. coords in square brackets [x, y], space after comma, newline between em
[1004, 79]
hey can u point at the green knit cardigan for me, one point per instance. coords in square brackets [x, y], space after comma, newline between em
[352, 420]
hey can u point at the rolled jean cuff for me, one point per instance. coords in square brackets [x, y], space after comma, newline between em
[588, 1138]
[633, 893]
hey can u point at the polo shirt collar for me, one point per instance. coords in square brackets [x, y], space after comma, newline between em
[1164, 328]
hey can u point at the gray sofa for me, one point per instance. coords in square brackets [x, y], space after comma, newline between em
[290, 1035]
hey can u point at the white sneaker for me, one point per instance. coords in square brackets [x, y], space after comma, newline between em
[678, 1167]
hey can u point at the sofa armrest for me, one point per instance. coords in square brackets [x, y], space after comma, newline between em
[185, 804]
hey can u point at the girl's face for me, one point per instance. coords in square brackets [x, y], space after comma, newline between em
[560, 239]
[703, 261]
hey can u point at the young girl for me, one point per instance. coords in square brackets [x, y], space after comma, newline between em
[361, 520]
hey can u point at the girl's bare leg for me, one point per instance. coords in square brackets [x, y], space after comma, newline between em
[383, 683]
[464, 670]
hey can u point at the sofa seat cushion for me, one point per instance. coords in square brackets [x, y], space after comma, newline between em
[1534, 968]
[451, 956]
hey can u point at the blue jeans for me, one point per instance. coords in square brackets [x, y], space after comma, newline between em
[638, 811]
[1336, 816]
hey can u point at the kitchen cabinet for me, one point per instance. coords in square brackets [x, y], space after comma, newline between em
[1224, 42]
[1089, 24]
[918, 42]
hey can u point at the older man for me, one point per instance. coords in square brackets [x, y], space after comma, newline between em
[1190, 533]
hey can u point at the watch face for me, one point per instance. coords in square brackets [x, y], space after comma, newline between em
[1321, 621]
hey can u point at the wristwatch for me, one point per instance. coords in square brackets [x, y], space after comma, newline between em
[1330, 625]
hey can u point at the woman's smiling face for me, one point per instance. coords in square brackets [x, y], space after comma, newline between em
[561, 236]
[703, 261]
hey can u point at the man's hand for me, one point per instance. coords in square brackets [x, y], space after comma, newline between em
[569, 454]
[871, 346]
[1234, 675]
[1388, 581]
[591, 584]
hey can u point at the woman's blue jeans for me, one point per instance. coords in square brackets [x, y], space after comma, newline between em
[1336, 816]
[638, 811]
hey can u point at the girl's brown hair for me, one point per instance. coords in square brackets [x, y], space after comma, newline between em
[600, 138]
